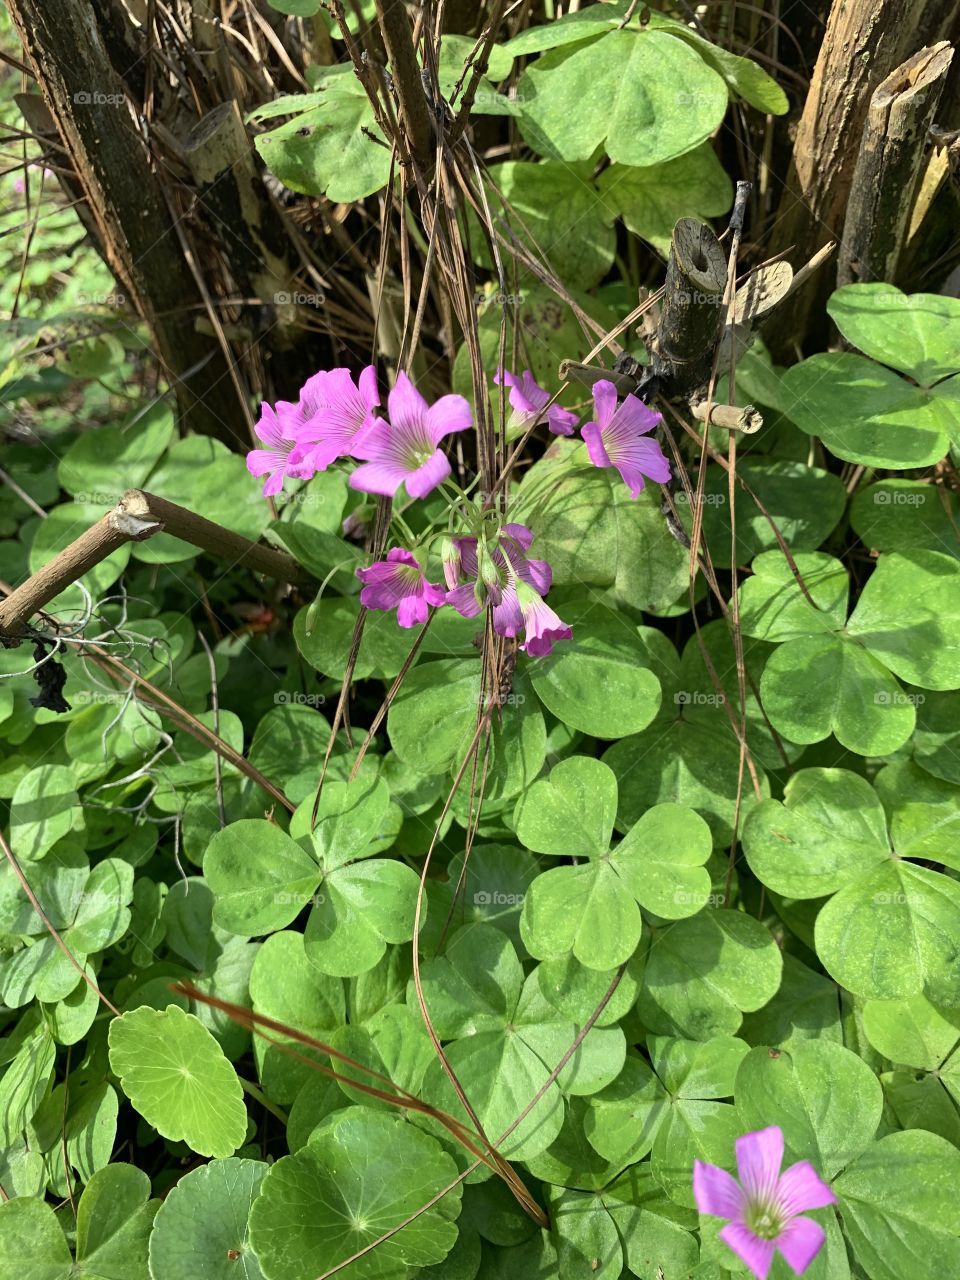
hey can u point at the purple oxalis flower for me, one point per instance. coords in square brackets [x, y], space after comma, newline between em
[522, 606]
[405, 449]
[511, 583]
[279, 459]
[618, 438]
[764, 1207]
[527, 400]
[332, 413]
[489, 571]
[399, 583]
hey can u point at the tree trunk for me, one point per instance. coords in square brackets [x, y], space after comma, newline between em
[87, 99]
[892, 154]
[865, 40]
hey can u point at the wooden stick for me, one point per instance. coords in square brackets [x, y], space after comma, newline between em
[398, 40]
[690, 313]
[888, 168]
[587, 374]
[747, 420]
[137, 516]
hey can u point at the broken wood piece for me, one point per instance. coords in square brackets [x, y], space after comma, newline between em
[137, 516]
[691, 311]
[889, 166]
[732, 417]
[587, 375]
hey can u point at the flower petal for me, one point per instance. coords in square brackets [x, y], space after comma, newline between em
[412, 611]
[464, 600]
[384, 478]
[560, 421]
[369, 391]
[759, 1157]
[405, 405]
[800, 1242]
[374, 442]
[756, 1253]
[593, 436]
[638, 416]
[450, 413]
[507, 614]
[519, 533]
[802, 1188]
[269, 427]
[604, 401]
[273, 484]
[426, 478]
[716, 1192]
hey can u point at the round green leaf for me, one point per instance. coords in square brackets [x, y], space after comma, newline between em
[261, 879]
[908, 616]
[829, 830]
[854, 696]
[894, 933]
[805, 503]
[912, 1032]
[202, 1224]
[557, 214]
[660, 860]
[585, 910]
[864, 412]
[827, 1101]
[684, 762]
[623, 90]
[364, 906]
[176, 1076]
[361, 1174]
[688, 995]
[653, 199]
[904, 515]
[598, 684]
[102, 463]
[333, 149]
[324, 633]
[600, 537]
[572, 811]
[910, 332]
[900, 1208]
[45, 808]
[286, 986]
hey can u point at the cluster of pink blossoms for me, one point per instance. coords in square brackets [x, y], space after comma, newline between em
[336, 417]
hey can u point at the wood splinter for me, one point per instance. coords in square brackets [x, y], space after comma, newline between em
[746, 420]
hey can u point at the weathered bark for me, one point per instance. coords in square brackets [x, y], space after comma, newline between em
[88, 101]
[864, 41]
[414, 114]
[241, 214]
[888, 169]
[691, 310]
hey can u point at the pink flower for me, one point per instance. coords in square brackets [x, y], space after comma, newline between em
[399, 583]
[405, 449]
[527, 400]
[541, 625]
[764, 1208]
[332, 413]
[618, 438]
[488, 570]
[278, 460]
[511, 584]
